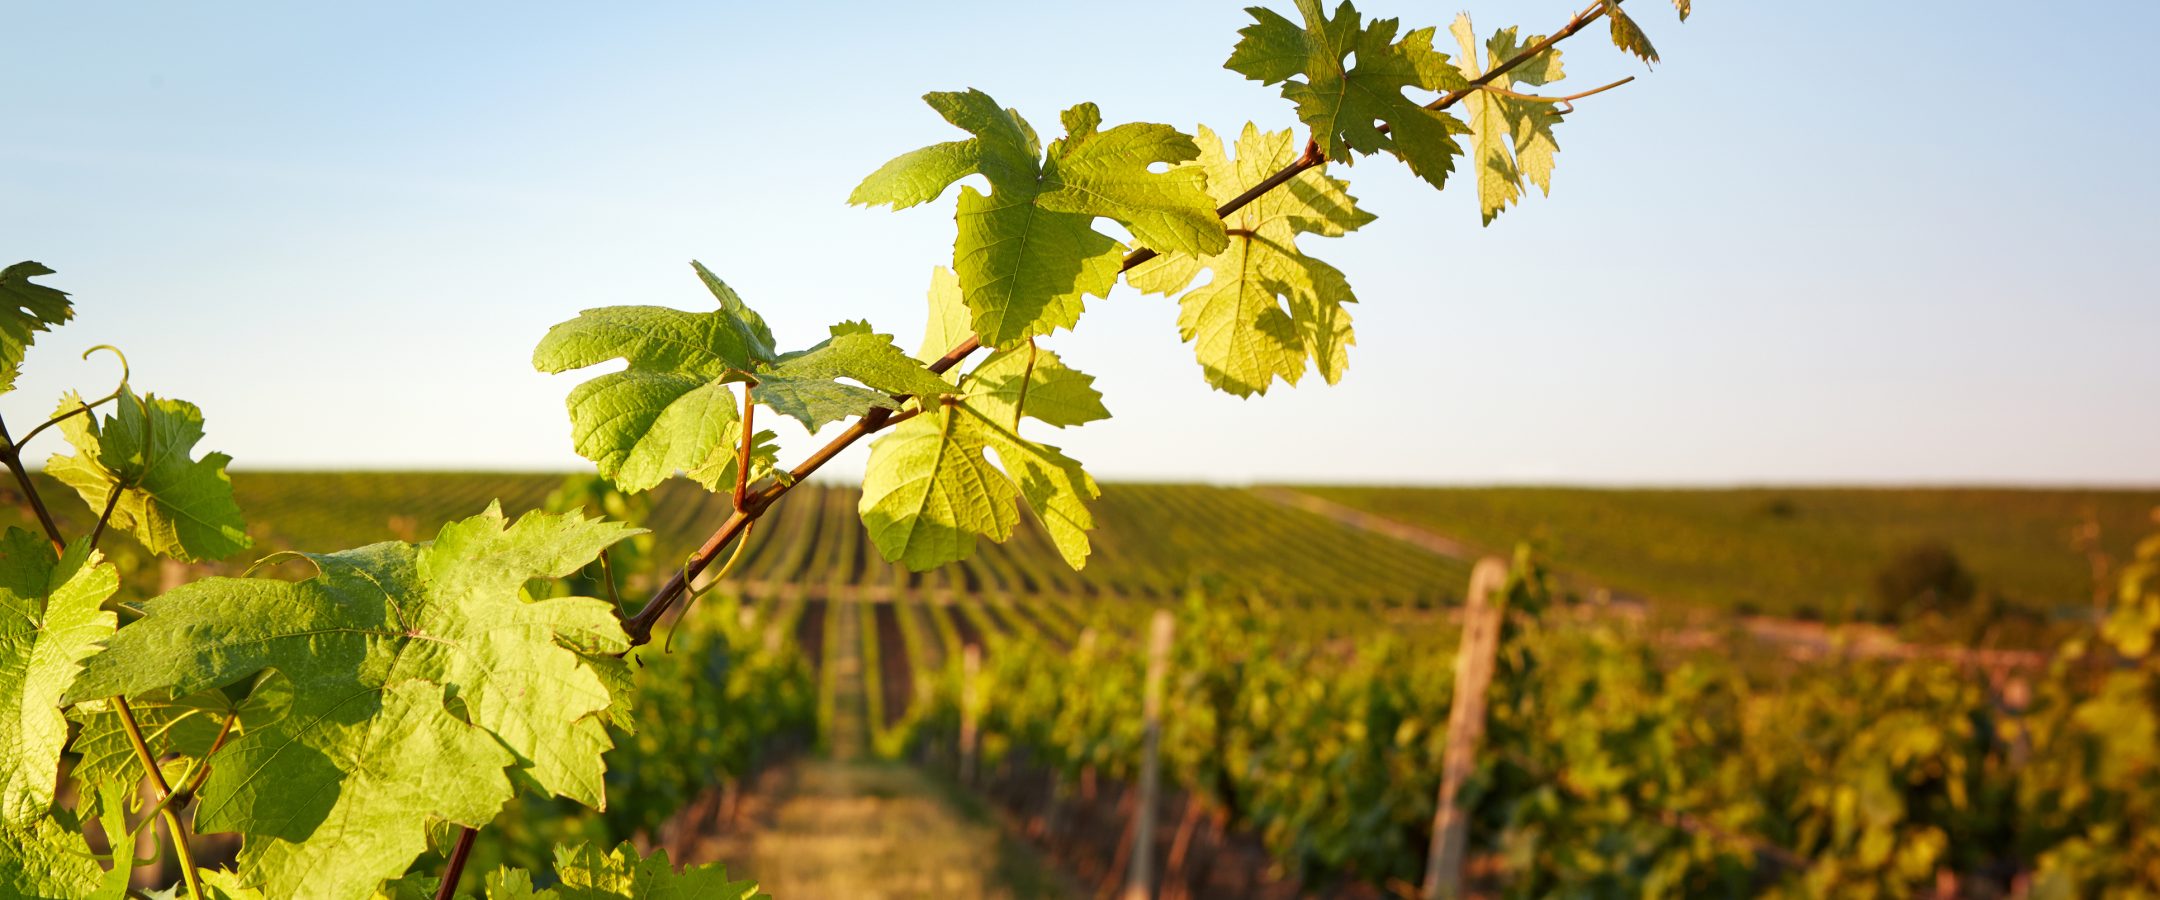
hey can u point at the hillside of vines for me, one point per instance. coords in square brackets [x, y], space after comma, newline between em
[1612, 767]
[1310, 692]
[1813, 552]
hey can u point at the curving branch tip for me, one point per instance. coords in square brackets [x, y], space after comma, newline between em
[124, 371]
[281, 556]
[1565, 103]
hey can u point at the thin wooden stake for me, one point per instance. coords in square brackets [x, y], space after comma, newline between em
[1466, 726]
[1140, 879]
[970, 678]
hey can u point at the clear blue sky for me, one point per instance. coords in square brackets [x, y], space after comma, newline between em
[1846, 241]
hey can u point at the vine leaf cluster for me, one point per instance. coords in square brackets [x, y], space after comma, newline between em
[1029, 253]
[345, 722]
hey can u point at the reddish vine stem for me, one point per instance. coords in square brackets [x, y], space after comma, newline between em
[458, 855]
[11, 453]
[742, 455]
[203, 774]
[640, 626]
[112, 502]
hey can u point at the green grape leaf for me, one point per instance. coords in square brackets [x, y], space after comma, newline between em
[1346, 106]
[621, 683]
[391, 650]
[949, 323]
[588, 873]
[865, 356]
[221, 884]
[1513, 138]
[639, 428]
[26, 308]
[1267, 311]
[44, 860]
[1034, 383]
[224, 884]
[513, 884]
[112, 814]
[1684, 7]
[817, 402]
[1027, 254]
[412, 885]
[930, 490]
[1629, 36]
[1055, 486]
[334, 795]
[175, 505]
[230, 885]
[51, 620]
[757, 337]
[1025, 271]
[50, 856]
[717, 472]
[804, 385]
[672, 409]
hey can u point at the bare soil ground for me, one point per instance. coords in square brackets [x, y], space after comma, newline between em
[825, 829]
[854, 828]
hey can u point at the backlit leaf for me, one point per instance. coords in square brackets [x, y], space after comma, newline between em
[26, 308]
[1267, 311]
[1346, 103]
[1027, 254]
[51, 620]
[175, 505]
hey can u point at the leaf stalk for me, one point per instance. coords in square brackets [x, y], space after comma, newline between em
[173, 828]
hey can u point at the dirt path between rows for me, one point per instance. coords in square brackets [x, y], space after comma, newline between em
[851, 827]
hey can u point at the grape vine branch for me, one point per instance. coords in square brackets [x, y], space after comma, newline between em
[640, 626]
[747, 509]
[350, 664]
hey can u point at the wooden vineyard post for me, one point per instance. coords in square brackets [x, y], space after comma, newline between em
[1466, 726]
[970, 675]
[1139, 880]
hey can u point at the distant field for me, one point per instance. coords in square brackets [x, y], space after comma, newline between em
[1152, 540]
[1781, 550]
